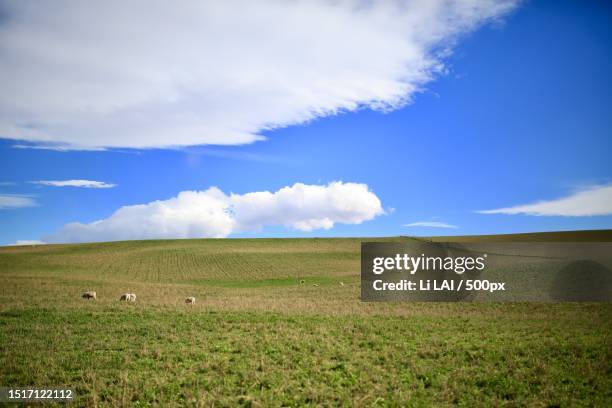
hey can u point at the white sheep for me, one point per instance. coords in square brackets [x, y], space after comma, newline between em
[89, 295]
[128, 297]
[190, 300]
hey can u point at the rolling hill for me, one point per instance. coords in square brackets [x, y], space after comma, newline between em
[257, 335]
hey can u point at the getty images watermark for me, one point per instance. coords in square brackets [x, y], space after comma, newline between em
[428, 271]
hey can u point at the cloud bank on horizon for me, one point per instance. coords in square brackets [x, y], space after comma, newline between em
[93, 74]
[592, 201]
[214, 214]
[21, 242]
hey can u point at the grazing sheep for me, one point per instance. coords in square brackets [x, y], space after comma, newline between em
[315, 284]
[190, 300]
[89, 295]
[128, 297]
[341, 283]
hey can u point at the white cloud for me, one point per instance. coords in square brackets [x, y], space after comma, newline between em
[74, 183]
[596, 200]
[154, 73]
[430, 224]
[27, 242]
[58, 147]
[212, 213]
[11, 201]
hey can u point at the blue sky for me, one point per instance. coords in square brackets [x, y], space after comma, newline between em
[520, 114]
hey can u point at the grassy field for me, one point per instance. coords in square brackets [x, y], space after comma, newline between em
[258, 337]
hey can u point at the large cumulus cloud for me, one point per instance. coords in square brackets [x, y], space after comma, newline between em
[212, 213]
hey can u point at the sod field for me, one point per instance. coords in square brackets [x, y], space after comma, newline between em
[259, 336]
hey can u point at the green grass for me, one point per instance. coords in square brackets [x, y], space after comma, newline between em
[263, 283]
[257, 336]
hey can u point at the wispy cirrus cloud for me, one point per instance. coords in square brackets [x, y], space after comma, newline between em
[430, 224]
[90, 75]
[212, 213]
[591, 201]
[74, 183]
[13, 201]
[57, 147]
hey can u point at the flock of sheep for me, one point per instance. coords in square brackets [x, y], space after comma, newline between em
[131, 297]
[127, 297]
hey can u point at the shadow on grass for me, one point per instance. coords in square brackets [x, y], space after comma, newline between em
[582, 281]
